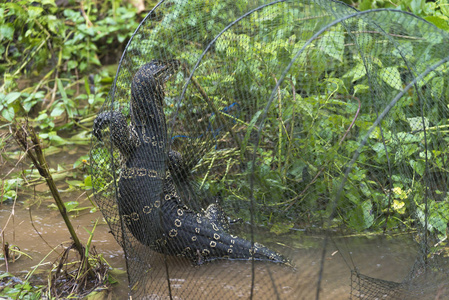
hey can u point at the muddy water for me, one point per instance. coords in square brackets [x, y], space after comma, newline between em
[379, 257]
[49, 224]
[389, 259]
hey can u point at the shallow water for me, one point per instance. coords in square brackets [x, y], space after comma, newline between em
[387, 259]
[377, 256]
[380, 257]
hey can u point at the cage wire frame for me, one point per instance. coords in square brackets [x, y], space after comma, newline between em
[340, 17]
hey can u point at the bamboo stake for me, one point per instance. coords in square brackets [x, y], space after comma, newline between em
[34, 152]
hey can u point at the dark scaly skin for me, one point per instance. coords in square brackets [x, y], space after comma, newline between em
[194, 236]
[142, 144]
[147, 197]
[214, 213]
[141, 183]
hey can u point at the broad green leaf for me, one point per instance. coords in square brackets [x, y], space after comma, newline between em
[57, 140]
[34, 11]
[83, 65]
[438, 21]
[365, 4]
[404, 137]
[77, 183]
[416, 123]
[360, 88]
[392, 77]
[422, 154]
[444, 7]
[71, 205]
[54, 138]
[365, 190]
[332, 43]
[72, 64]
[8, 113]
[356, 73]
[88, 181]
[49, 2]
[6, 31]
[58, 110]
[11, 97]
[438, 87]
[365, 42]
[362, 216]
[95, 60]
[368, 215]
[418, 166]
[416, 6]
[53, 24]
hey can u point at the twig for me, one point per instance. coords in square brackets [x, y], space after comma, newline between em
[305, 189]
[280, 126]
[55, 86]
[5, 251]
[353, 120]
[34, 152]
[88, 22]
[210, 103]
[289, 147]
[37, 231]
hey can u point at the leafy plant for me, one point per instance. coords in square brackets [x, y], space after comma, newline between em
[15, 288]
[314, 123]
[60, 47]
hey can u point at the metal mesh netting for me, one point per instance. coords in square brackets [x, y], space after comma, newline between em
[228, 115]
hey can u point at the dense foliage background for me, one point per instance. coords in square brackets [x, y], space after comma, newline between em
[58, 60]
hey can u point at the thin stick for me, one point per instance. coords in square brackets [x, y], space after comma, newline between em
[37, 231]
[289, 147]
[34, 152]
[353, 120]
[280, 127]
[208, 171]
[5, 250]
[305, 189]
[55, 86]
[206, 98]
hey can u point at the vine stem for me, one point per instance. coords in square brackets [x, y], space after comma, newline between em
[279, 127]
[2, 88]
[211, 104]
[292, 127]
[353, 120]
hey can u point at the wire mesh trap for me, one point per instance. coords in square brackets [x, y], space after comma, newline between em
[228, 115]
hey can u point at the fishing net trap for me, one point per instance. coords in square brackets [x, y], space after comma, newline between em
[232, 124]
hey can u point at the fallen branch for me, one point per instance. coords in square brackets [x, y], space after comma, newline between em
[28, 140]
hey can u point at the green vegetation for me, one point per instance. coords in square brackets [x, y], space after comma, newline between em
[310, 136]
[53, 73]
[56, 66]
